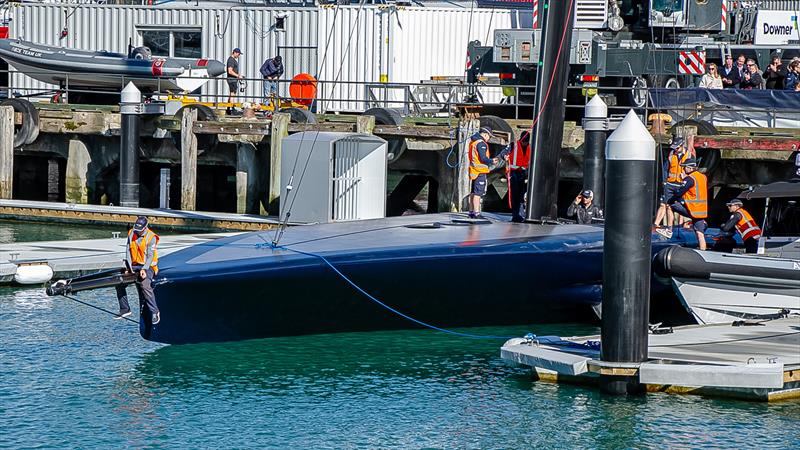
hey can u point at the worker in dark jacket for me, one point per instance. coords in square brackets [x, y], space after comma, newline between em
[742, 222]
[141, 257]
[479, 162]
[271, 70]
[693, 204]
[583, 209]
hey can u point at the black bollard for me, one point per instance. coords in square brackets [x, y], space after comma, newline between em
[547, 132]
[630, 157]
[595, 124]
[130, 110]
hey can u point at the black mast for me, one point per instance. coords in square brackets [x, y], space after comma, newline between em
[551, 89]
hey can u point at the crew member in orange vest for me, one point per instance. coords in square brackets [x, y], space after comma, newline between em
[141, 257]
[673, 178]
[693, 204]
[479, 162]
[744, 224]
[518, 162]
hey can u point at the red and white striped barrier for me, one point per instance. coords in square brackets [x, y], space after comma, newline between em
[724, 22]
[692, 62]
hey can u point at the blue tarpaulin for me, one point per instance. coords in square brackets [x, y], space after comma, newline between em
[766, 99]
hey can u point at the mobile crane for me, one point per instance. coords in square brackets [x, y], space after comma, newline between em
[641, 44]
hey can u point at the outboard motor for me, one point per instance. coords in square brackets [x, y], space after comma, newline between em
[141, 53]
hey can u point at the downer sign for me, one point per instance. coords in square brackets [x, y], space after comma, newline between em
[776, 28]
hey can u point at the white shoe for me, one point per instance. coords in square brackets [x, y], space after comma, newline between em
[123, 315]
[156, 318]
[666, 232]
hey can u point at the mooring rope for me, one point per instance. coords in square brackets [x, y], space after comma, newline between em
[100, 309]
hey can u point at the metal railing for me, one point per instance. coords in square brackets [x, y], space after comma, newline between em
[430, 98]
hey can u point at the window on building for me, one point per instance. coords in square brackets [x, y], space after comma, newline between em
[187, 44]
[158, 41]
[178, 44]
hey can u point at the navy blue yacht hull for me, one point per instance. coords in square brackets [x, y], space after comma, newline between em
[438, 271]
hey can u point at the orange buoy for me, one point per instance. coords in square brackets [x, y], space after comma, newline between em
[303, 89]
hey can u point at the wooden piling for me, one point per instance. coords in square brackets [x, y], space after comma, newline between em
[76, 177]
[6, 151]
[246, 179]
[279, 129]
[188, 161]
[465, 131]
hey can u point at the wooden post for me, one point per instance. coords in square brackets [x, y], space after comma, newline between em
[6, 151]
[466, 130]
[365, 124]
[76, 176]
[246, 179]
[279, 129]
[188, 161]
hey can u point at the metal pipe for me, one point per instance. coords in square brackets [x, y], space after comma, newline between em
[129, 146]
[630, 155]
[548, 127]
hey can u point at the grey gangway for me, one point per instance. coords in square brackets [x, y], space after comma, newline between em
[630, 160]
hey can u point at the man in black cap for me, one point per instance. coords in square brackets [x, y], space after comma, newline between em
[742, 222]
[141, 257]
[232, 69]
[479, 162]
[583, 209]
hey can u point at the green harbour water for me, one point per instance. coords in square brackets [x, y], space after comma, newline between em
[71, 377]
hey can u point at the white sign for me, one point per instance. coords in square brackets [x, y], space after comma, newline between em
[777, 27]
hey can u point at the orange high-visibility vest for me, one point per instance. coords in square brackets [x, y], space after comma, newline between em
[520, 158]
[696, 197]
[139, 249]
[476, 167]
[747, 227]
[675, 173]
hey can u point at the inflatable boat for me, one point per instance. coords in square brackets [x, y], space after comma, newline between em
[73, 68]
[723, 287]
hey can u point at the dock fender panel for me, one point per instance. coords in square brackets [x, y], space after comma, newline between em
[300, 115]
[28, 131]
[388, 116]
[205, 142]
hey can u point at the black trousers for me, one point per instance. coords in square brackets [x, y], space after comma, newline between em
[145, 290]
[517, 190]
[751, 245]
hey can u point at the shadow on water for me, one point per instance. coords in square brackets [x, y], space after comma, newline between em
[326, 358]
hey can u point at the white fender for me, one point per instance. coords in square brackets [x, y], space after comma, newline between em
[33, 273]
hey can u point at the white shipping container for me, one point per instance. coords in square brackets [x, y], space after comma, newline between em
[398, 45]
[344, 46]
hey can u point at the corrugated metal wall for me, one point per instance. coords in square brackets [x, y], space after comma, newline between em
[342, 44]
[444, 34]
